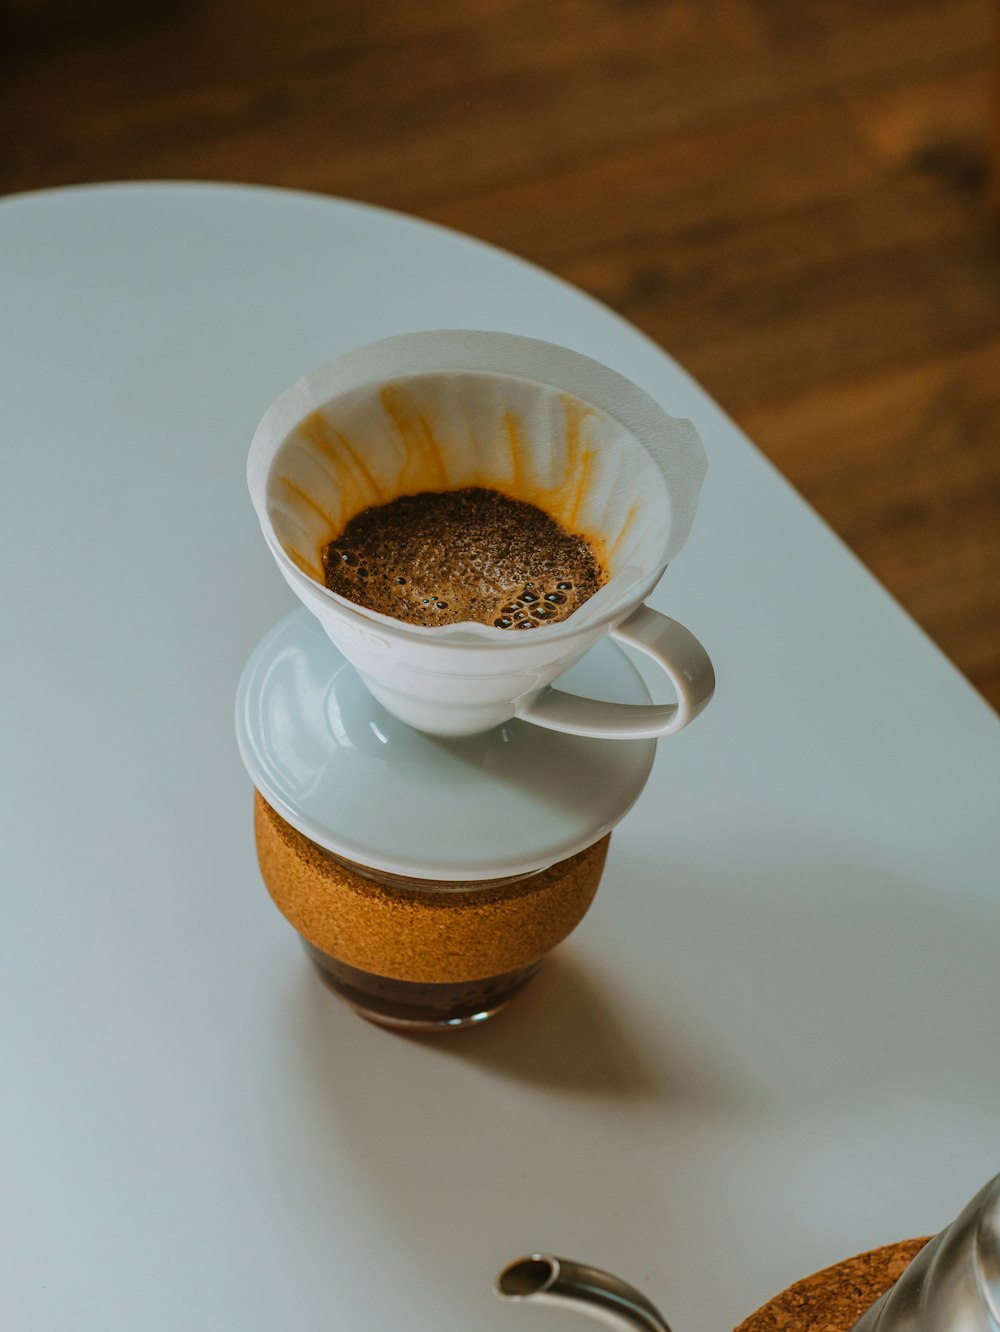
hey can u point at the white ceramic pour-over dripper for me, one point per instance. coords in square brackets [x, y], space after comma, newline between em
[446, 410]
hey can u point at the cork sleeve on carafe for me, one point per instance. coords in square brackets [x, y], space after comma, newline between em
[438, 936]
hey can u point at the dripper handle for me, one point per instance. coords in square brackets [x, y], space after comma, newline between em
[678, 654]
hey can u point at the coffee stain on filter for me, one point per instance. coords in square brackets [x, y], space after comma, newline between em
[630, 518]
[305, 563]
[423, 465]
[347, 482]
[563, 497]
[555, 475]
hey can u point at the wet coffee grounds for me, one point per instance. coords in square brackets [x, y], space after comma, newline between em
[443, 557]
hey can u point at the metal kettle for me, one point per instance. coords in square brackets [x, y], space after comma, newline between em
[952, 1285]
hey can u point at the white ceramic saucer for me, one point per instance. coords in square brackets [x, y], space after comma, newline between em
[348, 775]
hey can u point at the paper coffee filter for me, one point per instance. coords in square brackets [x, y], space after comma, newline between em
[607, 463]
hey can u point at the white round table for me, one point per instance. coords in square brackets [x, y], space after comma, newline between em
[772, 1043]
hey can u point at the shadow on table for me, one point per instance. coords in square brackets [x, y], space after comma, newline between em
[461, 1151]
[565, 1032]
[811, 987]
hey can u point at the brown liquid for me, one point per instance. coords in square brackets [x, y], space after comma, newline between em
[416, 1005]
[442, 557]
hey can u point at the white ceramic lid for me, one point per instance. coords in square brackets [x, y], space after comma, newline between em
[348, 775]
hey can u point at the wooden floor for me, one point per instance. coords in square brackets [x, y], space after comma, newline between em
[788, 195]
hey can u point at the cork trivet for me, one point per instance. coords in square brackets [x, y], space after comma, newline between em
[833, 1300]
[456, 935]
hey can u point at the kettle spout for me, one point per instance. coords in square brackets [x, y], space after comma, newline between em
[546, 1279]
